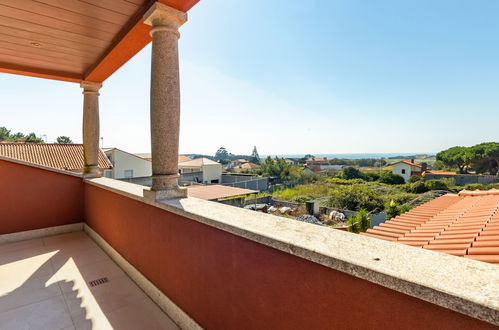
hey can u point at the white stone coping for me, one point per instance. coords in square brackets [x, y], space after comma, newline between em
[463, 285]
[42, 167]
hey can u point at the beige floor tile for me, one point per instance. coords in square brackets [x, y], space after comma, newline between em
[21, 245]
[51, 290]
[49, 314]
[143, 314]
[80, 258]
[78, 243]
[14, 274]
[31, 291]
[73, 278]
[21, 254]
[95, 302]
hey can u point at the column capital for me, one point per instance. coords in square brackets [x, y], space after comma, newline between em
[164, 18]
[90, 86]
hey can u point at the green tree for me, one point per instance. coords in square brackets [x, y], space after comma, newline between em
[64, 140]
[32, 138]
[4, 134]
[255, 158]
[221, 154]
[485, 157]
[459, 157]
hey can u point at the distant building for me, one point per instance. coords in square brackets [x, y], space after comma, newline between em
[211, 170]
[60, 156]
[317, 161]
[245, 166]
[238, 162]
[291, 161]
[406, 169]
[216, 192]
[126, 165]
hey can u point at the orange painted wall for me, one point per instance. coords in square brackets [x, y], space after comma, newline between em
[227, 282]
[33, 198]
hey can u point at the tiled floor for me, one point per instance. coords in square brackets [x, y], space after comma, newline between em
[45, 284]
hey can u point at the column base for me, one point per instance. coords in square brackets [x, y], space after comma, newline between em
[90, 172]
[156, 195]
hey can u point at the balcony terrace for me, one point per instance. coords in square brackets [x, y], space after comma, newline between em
[78, 251]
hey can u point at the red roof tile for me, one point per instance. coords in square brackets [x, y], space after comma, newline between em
[465, 225]
[60, 156]
[214, 192]
[408, 163]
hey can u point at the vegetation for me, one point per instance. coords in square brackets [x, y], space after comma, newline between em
[6, 135]
[481, 158]
[364, 162]
[390, 178]
[64, 140]
[360, 222]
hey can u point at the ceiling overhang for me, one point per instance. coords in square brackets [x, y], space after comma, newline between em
[73, 41]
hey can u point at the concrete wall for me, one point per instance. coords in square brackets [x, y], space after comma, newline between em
[397, 169]
[190, 177]
[124, 161]
[464, 179]
[212, 172]
[225, 281]
[35, 198]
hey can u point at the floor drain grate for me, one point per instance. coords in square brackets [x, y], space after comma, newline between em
[98, 281]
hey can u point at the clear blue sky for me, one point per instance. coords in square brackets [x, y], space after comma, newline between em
[330, 76]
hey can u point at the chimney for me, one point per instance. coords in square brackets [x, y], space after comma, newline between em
[424, 167]
[412, 160]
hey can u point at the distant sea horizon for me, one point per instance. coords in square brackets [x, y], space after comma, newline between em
[353, 155]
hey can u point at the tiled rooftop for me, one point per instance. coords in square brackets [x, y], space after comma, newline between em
[216, 191]
[465, 225]
[49, 283]
[60, 156]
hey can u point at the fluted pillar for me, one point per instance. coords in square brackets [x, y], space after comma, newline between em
[165, 100]
[91, 128]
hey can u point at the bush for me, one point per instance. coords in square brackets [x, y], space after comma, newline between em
[390, 178]
[437, 185]
[352, 173]
[372, 176]
[415, 178]
[340, 181]
[353, 225]
[475, 186]
[417, 187]
[392, 210]
[355, 198]
[363, 220]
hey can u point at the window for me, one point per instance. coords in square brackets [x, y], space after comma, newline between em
[128, 174]
[403, 171]
[108, 174]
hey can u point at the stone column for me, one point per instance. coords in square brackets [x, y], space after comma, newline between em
[91, 128]
[165, 100]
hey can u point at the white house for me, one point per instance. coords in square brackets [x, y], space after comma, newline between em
[406, 169]
[212, 171]
[126, 165]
